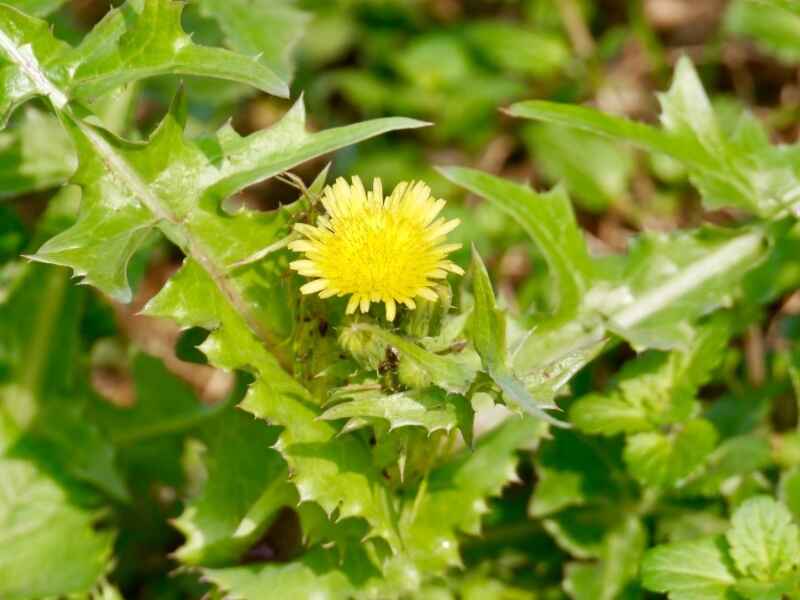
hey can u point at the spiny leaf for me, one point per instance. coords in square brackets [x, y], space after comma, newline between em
[447, 371]
[488, 330]
[336, 472]
[743, 171]
[142, 38]
[177, 186]
[246, 487]
[428, 408]
[453, 498]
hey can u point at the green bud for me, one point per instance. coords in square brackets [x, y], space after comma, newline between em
[362, 346]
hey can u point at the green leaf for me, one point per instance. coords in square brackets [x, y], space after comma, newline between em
[38, 8]
[686, 110]
[670, 280]
[663, 460]
[548, 219]
[453, 497]
[511, 46]
[735, 458]
[269, 31]
[140, 39]
[317, 574]
[596, 171]
[446, 371]
[488, 330]
[773, 25]
[42, 390]
[696, 570]
[569, 473]
[428, 408]
[742, 170]
[336, 472]
[36, 154]
[178, 186]
[246, 486]
[764, 540]
[39, 527]
[655, 388]
[610, 577]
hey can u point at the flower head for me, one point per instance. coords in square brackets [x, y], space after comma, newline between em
[376, 249]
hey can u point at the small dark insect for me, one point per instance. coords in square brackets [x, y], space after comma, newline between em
[390, 362]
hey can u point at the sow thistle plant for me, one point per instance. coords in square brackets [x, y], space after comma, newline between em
[391, 427]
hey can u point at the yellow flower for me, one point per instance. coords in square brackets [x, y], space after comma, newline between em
[377, 249]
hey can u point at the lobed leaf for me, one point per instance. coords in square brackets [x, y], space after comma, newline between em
[764, 540]
[141, 38]
[662, 460]
[696, 570]
[428, 408]
[742, 170]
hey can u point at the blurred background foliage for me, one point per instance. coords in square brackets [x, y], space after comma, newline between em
[454, 63]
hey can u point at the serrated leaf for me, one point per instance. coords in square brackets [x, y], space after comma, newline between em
[655, 388]
[742, 170]
[177, 186]
[336, 472]
[488, 332]
[696, 570]
[764, 540]
[673, 279]
[453, 498]
[268, 31]
[450, 372]
[38, 527]
[548, 219]
[663, 460]
[648, 301]
[246, 486]
[142, 38]
[428, 408]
